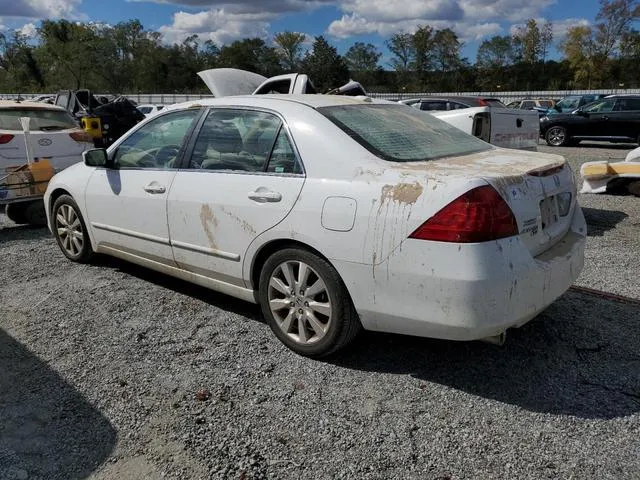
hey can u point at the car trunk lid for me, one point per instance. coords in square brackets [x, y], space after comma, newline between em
[539, 189]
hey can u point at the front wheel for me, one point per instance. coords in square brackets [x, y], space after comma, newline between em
[556, 136]
[306, 303]
[70, 230]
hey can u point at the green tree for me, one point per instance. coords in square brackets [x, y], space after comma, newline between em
[326, 68]
[493, 56]
[250, 54]
[289, 48]
[403, 50]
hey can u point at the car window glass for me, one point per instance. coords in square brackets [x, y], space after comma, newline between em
[433, 106]
[156, 144]
[41, 119]
[456, 106]
[600, 106]
[283, 158]
[513, 105]
[527, 104]
[627, 104]
[235, 140]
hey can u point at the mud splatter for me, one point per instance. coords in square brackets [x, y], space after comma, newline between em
[246, 226]
[406, 193]
[209, 220]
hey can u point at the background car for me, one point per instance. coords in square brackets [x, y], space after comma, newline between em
[573, 102]
[541, 105]
[615, 118]
[334, 214]
[149, 110]
[54, 134]
[439, 104]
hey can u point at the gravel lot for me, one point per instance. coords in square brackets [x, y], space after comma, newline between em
[109, 371]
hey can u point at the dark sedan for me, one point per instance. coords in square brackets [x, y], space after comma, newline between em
[613, 119]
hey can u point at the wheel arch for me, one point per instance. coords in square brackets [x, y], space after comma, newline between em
[55, 194]
[273, 246]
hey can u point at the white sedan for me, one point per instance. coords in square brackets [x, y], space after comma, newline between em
[334, 214]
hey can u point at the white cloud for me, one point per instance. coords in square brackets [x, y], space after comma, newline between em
[40, 8]
[397, 10]
[511, 10]
[29, 30]
[217, 25]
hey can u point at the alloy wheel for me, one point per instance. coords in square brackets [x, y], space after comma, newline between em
[300, 302]
[69, 230]
[556, 136]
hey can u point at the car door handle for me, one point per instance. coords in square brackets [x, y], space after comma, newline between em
[264, 196]
[604, 117]
[155, 188]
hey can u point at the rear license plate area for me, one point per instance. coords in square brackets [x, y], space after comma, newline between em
[549, 211]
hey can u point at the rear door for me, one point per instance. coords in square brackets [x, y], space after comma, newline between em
[243, 178]
[625, 118]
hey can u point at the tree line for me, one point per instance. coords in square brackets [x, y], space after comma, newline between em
[127, 58]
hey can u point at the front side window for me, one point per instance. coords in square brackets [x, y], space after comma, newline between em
[243, 140]
[400, 134]
[156, 144]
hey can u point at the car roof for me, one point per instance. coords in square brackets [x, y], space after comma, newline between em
[12, 104]
[272, 100]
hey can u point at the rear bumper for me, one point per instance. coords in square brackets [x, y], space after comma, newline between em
[464, 292]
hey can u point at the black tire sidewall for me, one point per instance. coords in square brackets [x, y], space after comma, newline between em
[87, 250]
[16, 213]
[338, 296]
[566, 136]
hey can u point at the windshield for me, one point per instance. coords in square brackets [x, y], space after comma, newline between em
[568, 103]
[401, 134]
[41, 119]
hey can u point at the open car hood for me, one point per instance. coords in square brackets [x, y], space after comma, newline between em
[224, 82]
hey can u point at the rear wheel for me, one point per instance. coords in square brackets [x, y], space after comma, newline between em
[306, 303]
[634, 188]
[35, 215]
[16, 212]
[70, 230]
[556, 136]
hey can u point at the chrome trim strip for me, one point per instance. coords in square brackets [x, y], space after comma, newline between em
[131, 233]
[207, 251]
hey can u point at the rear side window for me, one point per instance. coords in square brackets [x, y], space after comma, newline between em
[43, 120]
[400, 134]
[626, 104]
[433, 106]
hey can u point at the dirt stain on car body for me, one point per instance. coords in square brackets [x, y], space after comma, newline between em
[404, 193]
[209, 223]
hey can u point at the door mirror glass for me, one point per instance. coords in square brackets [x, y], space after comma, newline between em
[96, 157]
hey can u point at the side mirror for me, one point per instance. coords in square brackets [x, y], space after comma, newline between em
[96, 157]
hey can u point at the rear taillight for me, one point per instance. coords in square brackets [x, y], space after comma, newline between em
[81, 136]
[6, 138]
[479, 215]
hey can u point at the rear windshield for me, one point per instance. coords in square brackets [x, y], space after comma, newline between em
[402, 134]
[41, 119]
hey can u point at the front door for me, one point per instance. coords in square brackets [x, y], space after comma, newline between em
[127, 204]
[243, 178]
[598, 120]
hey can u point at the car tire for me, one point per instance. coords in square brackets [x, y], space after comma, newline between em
[35, 214]
[70, 230]
[16, 213]
[634, 188]
[556, 136]
[306, 303]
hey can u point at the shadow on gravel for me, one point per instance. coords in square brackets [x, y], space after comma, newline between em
[608, 146]
[600, 221]
[10, 233]
[47, 429]
[581, 357]
[215, 299]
